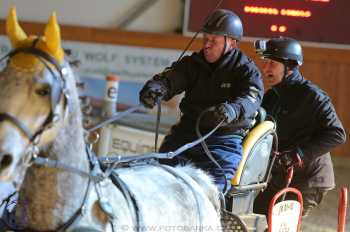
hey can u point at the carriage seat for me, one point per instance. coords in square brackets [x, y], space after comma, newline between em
[252, 175]
[257, 146]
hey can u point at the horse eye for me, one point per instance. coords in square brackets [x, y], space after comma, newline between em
[43, 92]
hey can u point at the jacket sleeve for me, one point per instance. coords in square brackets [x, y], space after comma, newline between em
[176, 78]
[250, 92]
[330, 132]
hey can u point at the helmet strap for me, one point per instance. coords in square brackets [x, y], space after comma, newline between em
[285, 72]
[225, 46]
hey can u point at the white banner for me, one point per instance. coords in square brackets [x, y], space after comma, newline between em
[126, 141]
[130, 63]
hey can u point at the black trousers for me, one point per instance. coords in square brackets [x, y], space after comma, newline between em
[312, 197]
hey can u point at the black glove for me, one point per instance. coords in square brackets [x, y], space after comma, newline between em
[152, 92]
[226, 112]
[291, 158]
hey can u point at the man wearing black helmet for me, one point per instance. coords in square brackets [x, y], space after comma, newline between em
[307, 125]
[219, 77]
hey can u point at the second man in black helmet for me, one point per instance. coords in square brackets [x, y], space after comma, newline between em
[307, 125]
[219, 77]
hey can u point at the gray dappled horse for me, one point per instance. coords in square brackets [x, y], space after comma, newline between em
[40, 118]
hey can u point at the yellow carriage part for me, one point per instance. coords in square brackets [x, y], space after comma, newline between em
[251, 145]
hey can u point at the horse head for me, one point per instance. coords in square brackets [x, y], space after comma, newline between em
[33, 96]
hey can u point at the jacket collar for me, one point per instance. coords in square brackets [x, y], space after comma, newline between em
[294, 77]
[230, 55]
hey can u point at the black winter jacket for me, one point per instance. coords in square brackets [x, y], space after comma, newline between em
[306, 120]
[234, 79]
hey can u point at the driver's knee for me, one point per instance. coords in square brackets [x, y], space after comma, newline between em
[312, 198]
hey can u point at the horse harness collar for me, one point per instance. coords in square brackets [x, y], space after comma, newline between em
[96, 176]
[93, 176]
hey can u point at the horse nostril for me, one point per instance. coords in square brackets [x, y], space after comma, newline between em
[6, 161]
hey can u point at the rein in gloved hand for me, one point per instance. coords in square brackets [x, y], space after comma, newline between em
[291, 158]
[152, 92]
[224, 112]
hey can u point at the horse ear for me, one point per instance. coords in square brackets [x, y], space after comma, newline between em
[53, 38]
[13, 29]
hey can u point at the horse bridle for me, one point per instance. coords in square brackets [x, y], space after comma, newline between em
[58, 87]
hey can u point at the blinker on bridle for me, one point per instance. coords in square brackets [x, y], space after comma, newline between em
[58, 87]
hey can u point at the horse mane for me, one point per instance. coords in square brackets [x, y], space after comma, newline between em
[68, 145]
[70, 138]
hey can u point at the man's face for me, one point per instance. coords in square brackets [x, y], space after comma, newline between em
[273, 71]
[213, 47]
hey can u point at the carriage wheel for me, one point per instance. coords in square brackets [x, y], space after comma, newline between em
[232, 223]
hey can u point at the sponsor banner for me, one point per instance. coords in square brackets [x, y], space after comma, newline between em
[126, 141]
[130, 63]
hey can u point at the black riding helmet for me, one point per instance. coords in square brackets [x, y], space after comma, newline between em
[224, 22]
[285, 50]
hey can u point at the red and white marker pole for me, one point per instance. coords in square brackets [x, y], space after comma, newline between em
[343, 203]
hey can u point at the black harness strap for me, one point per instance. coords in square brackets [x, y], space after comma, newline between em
[76, 216]
[19, 124]
[130, 199]
[79, 213]
[174, 173]
[6, 116]
[159, 112]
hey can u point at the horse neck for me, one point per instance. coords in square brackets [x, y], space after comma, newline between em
[50, 196]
